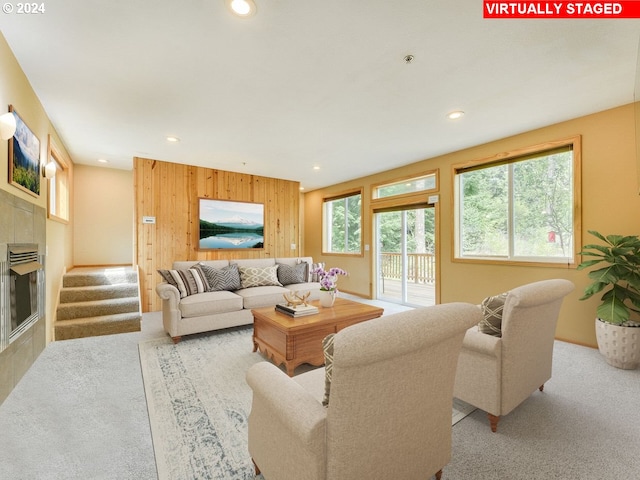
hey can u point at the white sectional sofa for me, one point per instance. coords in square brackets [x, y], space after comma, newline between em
[190, 305]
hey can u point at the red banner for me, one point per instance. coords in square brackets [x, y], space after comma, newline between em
[561, 9]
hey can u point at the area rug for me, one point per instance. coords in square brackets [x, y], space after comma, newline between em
[199, 401]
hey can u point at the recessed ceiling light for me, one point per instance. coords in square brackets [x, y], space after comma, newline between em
[102, 160]
[316, 167]
[242, 8]
[301, 188]
[172, 139]
[455, 115]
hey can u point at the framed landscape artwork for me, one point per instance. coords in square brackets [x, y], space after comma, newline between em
[24, 158]
[226, 224]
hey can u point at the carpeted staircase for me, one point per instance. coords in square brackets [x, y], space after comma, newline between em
[98, 301]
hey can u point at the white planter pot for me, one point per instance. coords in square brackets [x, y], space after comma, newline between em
[620, 346]
[327, 297]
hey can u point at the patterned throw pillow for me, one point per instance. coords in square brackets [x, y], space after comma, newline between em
[259, 276]
[492, 308]
[288, 274]
[227, 278]
[314, 276]
[188, 282]
[327, 348]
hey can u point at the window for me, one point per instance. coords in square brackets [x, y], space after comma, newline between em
[59, 208]
[520, 207]
[342, 223]
[407, 186]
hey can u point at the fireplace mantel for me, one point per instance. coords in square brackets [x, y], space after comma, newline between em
[21, 222]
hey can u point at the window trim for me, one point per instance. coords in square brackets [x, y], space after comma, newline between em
[54, 153]
[374, 187]
[575, 142]
[339, 196]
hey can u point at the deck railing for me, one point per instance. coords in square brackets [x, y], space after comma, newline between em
[421, 267]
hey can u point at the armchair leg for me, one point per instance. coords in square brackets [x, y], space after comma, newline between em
[493, 420]
[176, 339]
[438, 474]
[541, 387]
[255, 467]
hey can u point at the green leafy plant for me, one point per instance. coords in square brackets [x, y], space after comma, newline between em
[619, 262]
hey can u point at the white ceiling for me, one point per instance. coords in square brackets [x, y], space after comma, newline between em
[309, 83]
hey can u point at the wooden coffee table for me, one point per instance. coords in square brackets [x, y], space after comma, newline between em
[294, 341]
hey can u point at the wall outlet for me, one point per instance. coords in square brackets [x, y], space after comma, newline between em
[293, 246]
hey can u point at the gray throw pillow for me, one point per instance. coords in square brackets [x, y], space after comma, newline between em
[227, 278]
[492, 308]
[288, 274]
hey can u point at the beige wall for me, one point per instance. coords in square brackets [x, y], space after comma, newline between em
[103, 199]
[610, 204]
[16, 90]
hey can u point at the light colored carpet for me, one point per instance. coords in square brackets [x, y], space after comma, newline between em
[199, 401]
[80, 413]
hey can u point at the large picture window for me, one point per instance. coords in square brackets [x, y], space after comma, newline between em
[521, 207]
[342, 223]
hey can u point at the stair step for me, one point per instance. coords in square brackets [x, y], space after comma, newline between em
[97, 292]
[67, 311]
[95, 326]
[106, 276]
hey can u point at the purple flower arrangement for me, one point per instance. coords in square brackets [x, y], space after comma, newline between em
[329, 278]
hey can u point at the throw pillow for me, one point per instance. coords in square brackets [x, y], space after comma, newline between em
[259, 276]
[314, 276]
[492, 308]
[188, 282]
[288, 274]
[327, 348]
[307, 270]
[227, 278]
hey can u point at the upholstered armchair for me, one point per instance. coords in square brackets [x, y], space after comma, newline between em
[496, 374]
[389, 407]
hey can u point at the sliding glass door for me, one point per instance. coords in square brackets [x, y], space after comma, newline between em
[405, 256]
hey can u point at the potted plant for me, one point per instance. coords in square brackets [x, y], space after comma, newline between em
[617, 274]
[328, 284]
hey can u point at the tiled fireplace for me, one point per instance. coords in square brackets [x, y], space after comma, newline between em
[22, 288]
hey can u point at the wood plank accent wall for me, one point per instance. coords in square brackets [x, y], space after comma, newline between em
[169, 192]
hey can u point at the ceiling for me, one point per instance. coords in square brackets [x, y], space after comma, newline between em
[306, 84]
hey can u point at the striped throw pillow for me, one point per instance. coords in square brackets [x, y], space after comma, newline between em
[188, 282]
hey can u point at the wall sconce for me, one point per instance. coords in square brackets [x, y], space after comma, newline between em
[7, 126]
[49, 170]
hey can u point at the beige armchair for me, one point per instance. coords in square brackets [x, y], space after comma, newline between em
[390, 404]
[496, 374]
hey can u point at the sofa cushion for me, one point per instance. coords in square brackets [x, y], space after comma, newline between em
[259, 276]
[327, 348]
[263, 296]
[227, 278]
[188, 282]
[288, 274]
[210, 303]
[312, 287]
[492, 308]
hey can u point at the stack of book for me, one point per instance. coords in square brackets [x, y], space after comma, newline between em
[297, 310]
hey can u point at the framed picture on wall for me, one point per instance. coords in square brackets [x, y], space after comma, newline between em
[226, 224]
[24, 158]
